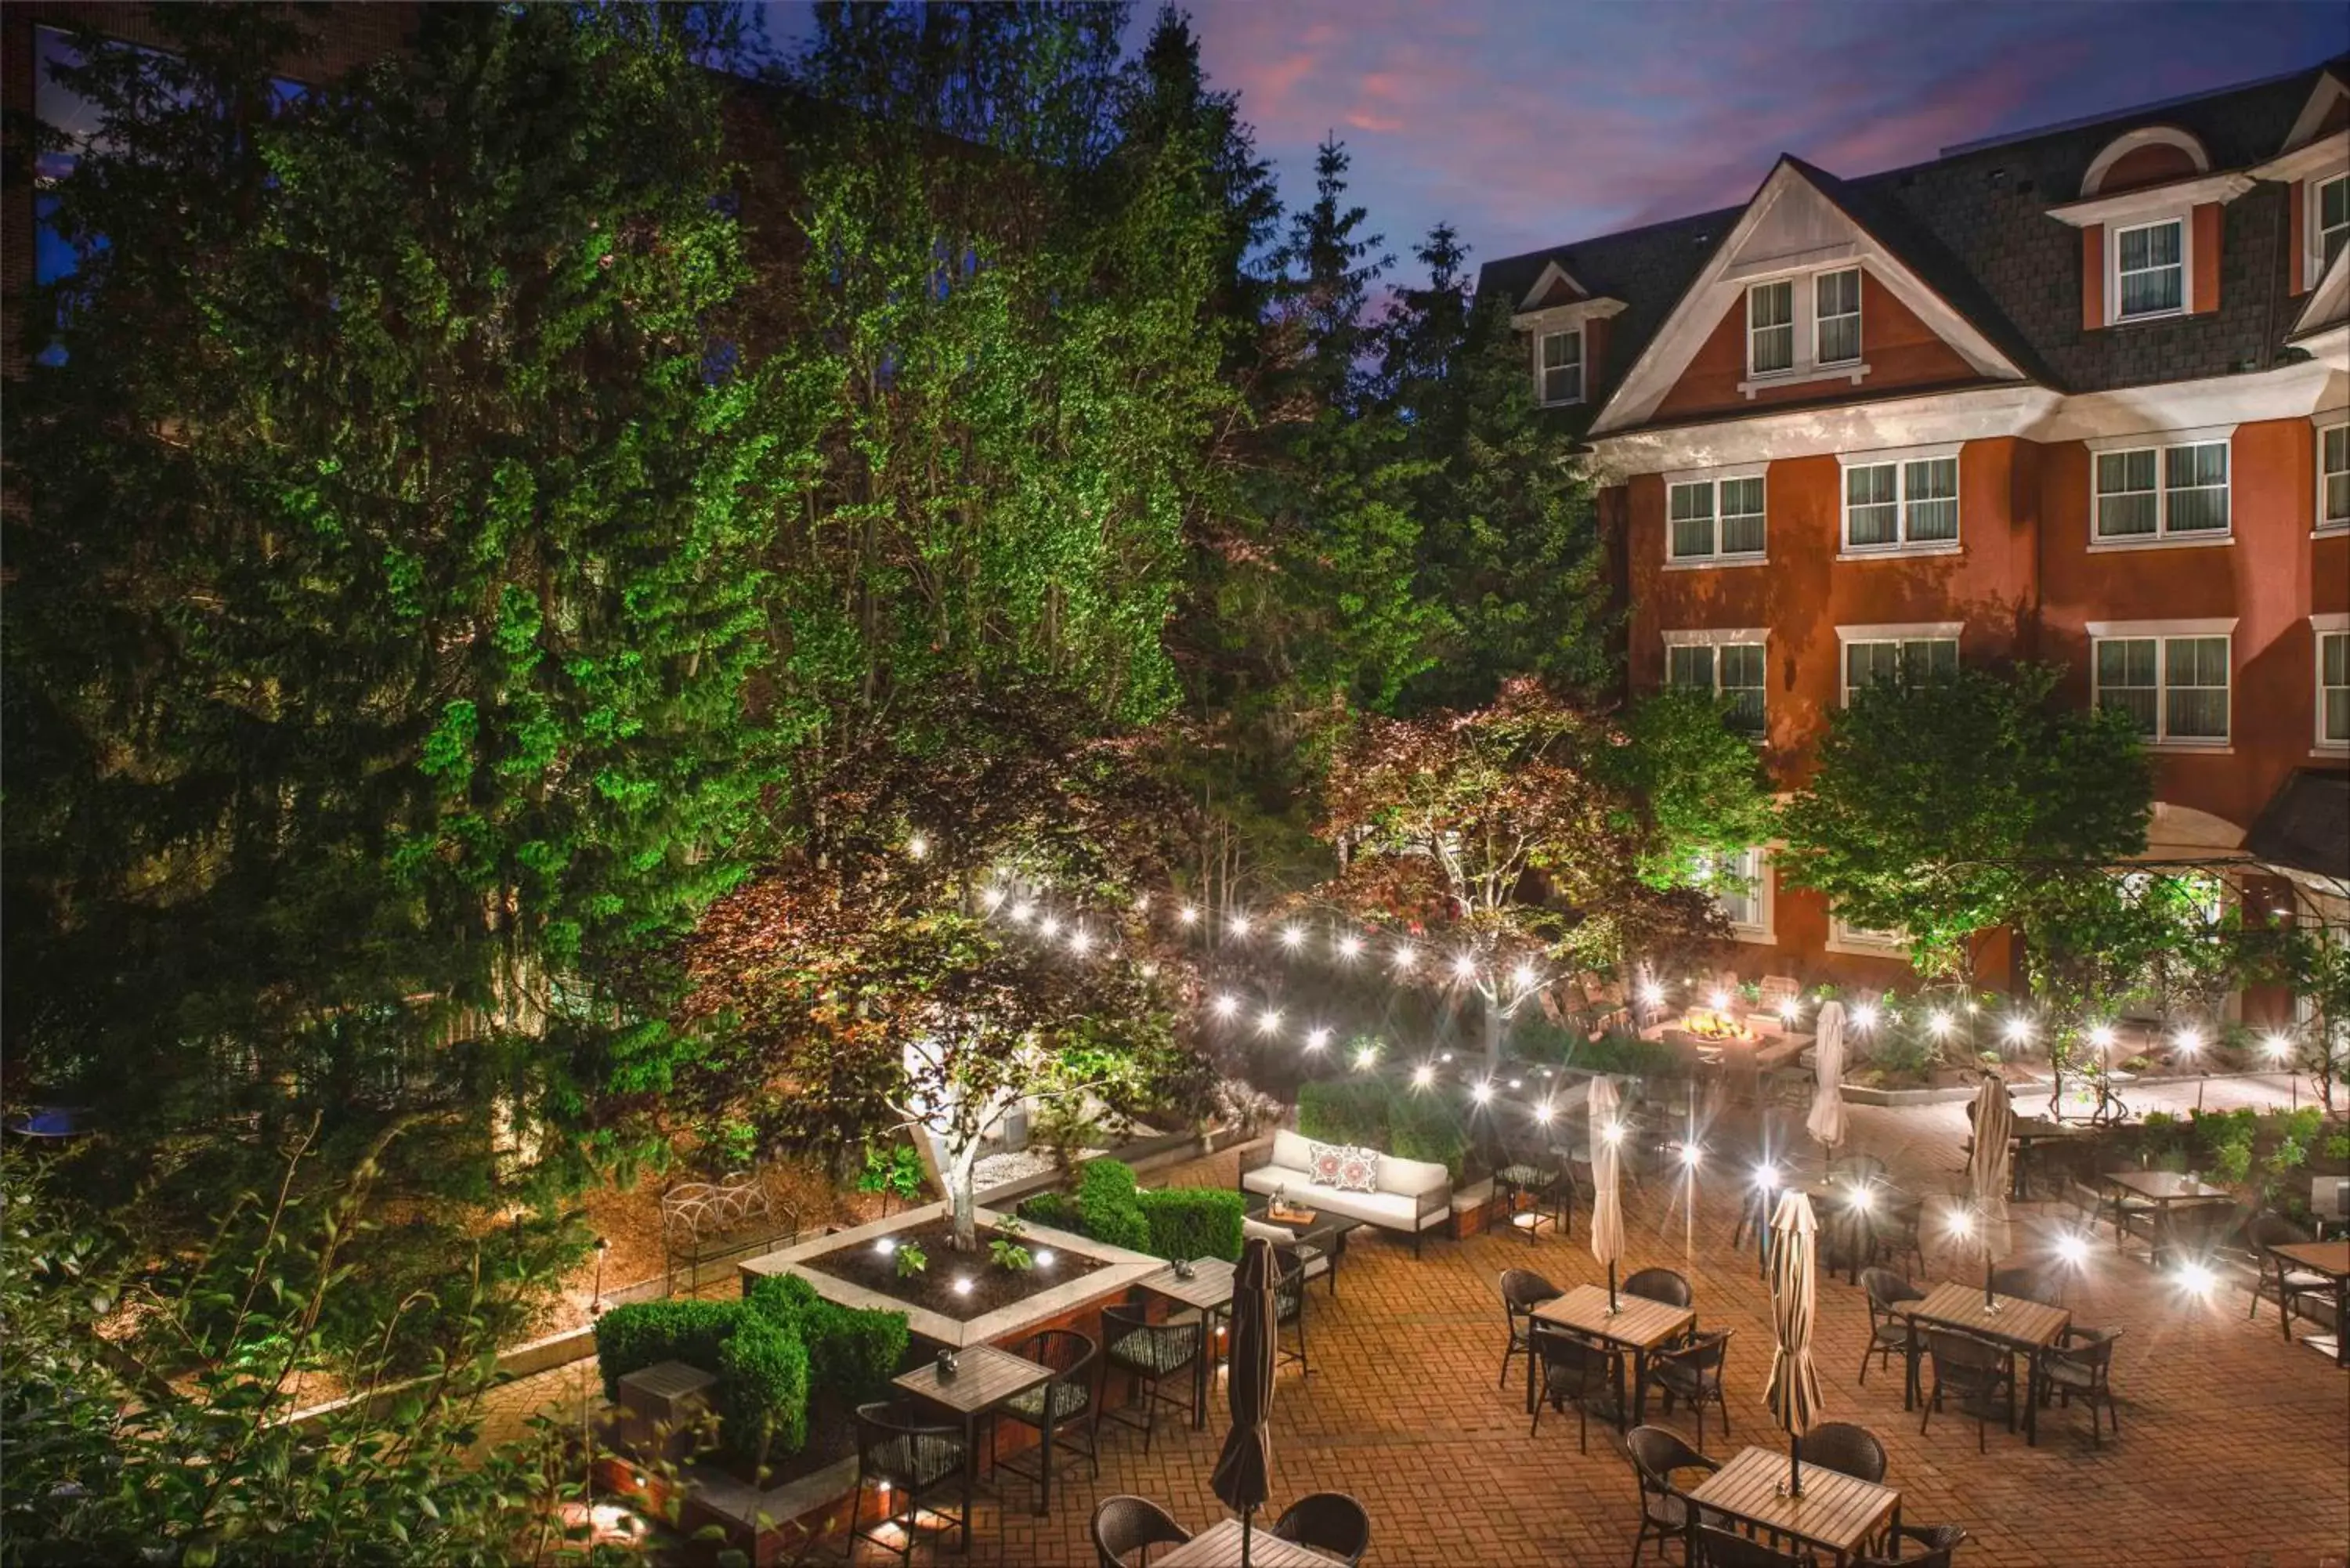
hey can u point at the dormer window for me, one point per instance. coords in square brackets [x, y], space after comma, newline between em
[1562, 367]
[1837, 295]
[2150, 269]
[1803, 327]
[1771, 328]
[2332, 202]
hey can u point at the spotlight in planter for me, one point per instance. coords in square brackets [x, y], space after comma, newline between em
[1939, 1023]
[2102, 1036]
[2277, 1046]
[1351, 946]
[1225, 1006]
[962, 1286]
[2190, 1039]
[1422, 1076]
[886, 1245]
[1719, 1001]
[1863, 1016]
[1367, 1058]
[918, 847]
[1315, 1039]
[1268, 1020]
[1291, 937]
[1043, 1257]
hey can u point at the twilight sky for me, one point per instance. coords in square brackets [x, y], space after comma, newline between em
[1528, 123]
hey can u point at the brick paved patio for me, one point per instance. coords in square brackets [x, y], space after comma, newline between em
[2234, 1447]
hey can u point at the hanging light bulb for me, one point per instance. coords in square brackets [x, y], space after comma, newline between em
[2102, 1036]
[1483, 1092]
[1366, 1056]
[1316, 1039]
[1225, 1006]
[1423, 1076]
[2018, 1031]
[1653, 994]
[1081, 940]
[1350, 946]
[1863, 1016]
[1291, 937]
[2190, 1039]
[1024, 912]
[991, 897]
[1188, 915]
[1049, 927]
[1268, 1020]
[1404, 958]
[1524, 976]
[1238, 925]
[1464, 968]
[1544, 1111]
[2277, 1046]
[1788, 1007]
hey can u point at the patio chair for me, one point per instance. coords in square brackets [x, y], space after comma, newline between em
[1976, 1370]
[1522, 1290]
[2081, 1367]
[1125, 1525]
[1152, 1354]
[2203, 1232]
[2263, 1235]
[1658, 1285]
[1940, 1543]
[1289, 1309]
[1692, 1372]
[2027, 1284]
[1888, 1329]
[1546, 1175]
[1657, 1456]
[904, 1458]
[1061, 1409]
[1574, 1371]
[1329, 1522]
[1718, 1546]
[1847, 1449]
[1859, 1169]
[1895, 1221]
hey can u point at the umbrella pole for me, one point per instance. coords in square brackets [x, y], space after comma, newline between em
[1611, 1284]
[1991, 1302]
[1795, 1467]
[1245, 1512]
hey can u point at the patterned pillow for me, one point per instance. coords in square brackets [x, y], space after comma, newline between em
[1328, 1159]
[1359, 1171]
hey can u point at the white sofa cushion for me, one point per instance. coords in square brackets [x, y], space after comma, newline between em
[1398, 1211]
[1412, 1178]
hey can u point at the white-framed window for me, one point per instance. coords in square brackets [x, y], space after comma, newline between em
[1562, 365]
[2329, 209]
[2157, 492]
[2332, 682]
[1771, 328]
[2334, 476]
[1740, 885]
[1902, 503]
[1902, 661]
[1835, 318]
[1846, 936]
[1715, 519]
[2150, 269]
[2174, 688]
[1730, 666]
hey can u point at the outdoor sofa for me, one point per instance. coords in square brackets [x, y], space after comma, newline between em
[1413, 1196]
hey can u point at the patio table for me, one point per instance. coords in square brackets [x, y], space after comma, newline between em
[1837, 1513]
[1210, 1290]
[1218, 1546]
[984, 1378]
[2027, 1131]
[2331, 1258]
[2163, 1188]
[2027, 1328]
[1639, 1325]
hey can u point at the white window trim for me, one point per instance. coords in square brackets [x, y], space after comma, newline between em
[1845, 938]
[2312, 239]
[1710, 637]
[2185, 218]
[1804, 317]
[1860, 292]
[1764, 928]
[1717, 477]
[2160, 442]
[1582, 367]
[1901, 458]
[1903, 631]
[2320, 424]
[2322, 627]
[1713, 636]
[2159, 630]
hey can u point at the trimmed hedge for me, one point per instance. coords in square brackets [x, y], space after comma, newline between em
[1057, 1210]
[1428, 1127]
[633, 1338]
[1108, 1205]
[1375, 1114]
[763, 1381]
[1193, 1222]
[1166, 1222]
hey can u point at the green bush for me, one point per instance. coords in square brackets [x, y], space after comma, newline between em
[1193, 1222]
[1427, 1126]
[1345, 1110]
[782, 1297]
[763, 1376]
[851, 1351]
[633, 1338]
[1057, 1210]
[1108, 1205]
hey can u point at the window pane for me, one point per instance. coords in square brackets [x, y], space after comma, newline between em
[1770, 323]
[2195, 485]
[1933, 498]
[1742, 516]
[1930, 659]
[1742, 684]
[1563, 385]
[2333, 219]
[1871, 664]
[2195, 674]
[2126, 680]
[2334, 463]
[1872, 516]
[2152, 275]
[1690, 667]
[1741, 900]
[2334, 685]
[1692, 519]
[2127, 502]
[1836, 301]
[2333, 658]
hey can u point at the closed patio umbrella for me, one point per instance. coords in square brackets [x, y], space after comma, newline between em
[1987, 1173]
[1606, 1200]
[1793, 1395]
[1244, 1476]
[1827, 1118]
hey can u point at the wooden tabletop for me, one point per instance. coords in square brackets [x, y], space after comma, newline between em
[984, 1377]
[2017, 1321]
[2164, 1186]
[1838, 1511]
[1218, 1546]
[2329, 1257]
[2028, 1129]
[1209, 1288]
[1640, 1322]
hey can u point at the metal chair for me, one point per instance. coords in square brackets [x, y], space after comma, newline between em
[1289, 1308]
[1575, 1372]
[1659, 1285]
[2081, 1367]
[1328, 1521]
[1071, 1400]
[2262, 1236]
[1151, 1353]
[1896, 1221]
[1522, 1290]
[1888, 1329]
[2026, 1284]
[1657, 1455]
[1940, 1543]
[1847, 1449]
[1973, 1369]
[1717, 1546]
[1692, 1372]
[1127, 1524]
[904, 1458]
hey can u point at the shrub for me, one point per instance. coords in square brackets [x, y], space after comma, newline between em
[1193, 1222]
[784, 1297]
[1057, 1210]
[1427, 1126]
[1108, 1208]
[1345, 1110]
[762, 1374]
[633, 1338]
[853, 1352]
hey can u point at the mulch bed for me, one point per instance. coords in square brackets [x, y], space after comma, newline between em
[933, 1289]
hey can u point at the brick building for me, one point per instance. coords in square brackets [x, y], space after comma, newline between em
[2080, 395]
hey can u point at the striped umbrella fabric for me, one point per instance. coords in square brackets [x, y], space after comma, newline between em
[1244, 1475]
[1793, 1395]
[1987, 1173]
[1606, 1198]
[1827, 1122]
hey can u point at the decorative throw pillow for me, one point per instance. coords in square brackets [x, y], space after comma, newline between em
[1359, 1171]
[1328, 1159]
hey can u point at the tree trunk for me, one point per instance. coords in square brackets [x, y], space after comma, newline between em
[1494, 1022]
[963, 1199]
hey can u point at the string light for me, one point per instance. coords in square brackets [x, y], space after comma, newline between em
[1863, 1016]
[1483, 1092]
[1517, 1084]
[1422, 1076]
[1544, 1111]
[1188, 915]
[1048, 926]
[1720, 1001]
[918, 847]
[2018, 1031]
[1238, 925]
[1464, 968]
[2277, 1046]
[1350, 946]
[2190, 1039]
[1524, 976]
[1690, 1155]
[1316, 1039]
[1404, 958]
[1268, 1020]
[1653, 994]
[2196, 1279]
[1613, 1132]
[1225, 1006]
[2073, 1250]
[1081, 940]
[1962, 1224]
[1365, 1057]
[1024, 912]
[991, 898]
[1939, 1023]
[1766, 1176]
[1788, 1008]
[2102, 1036]
[1291, 937]
[1447, 1056]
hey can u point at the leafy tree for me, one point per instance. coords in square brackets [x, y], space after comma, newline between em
[1936, 805]
[1495, 833]
[1700, 783]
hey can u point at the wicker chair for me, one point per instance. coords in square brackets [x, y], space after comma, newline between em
[1329, 1522]
[1574, 1371]
[2262, 1236]
[1124, 1525]
[1888, 1330]
[1522, 1290]
[1657, 1457]
[1974, 1369]
[1847, 1449]
[2026, 1284]
[903, 1458]
[1073, 1399]
[1896, 1221]
[1939, 1541]
[2081, 1367]
[1152, 1354]
[1658, 1285]
[1289, 1308]
[1546, 1174]
[1716, 1546]
[1692, 1372]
